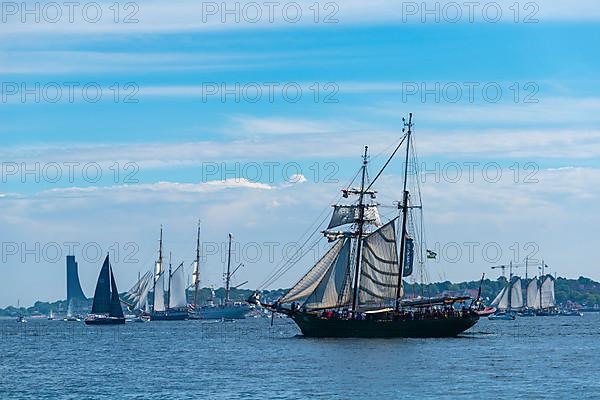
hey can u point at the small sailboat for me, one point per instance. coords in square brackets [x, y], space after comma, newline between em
[20, 318]
[70, 317]
[51, 316]
[106, 308]
[229, 309]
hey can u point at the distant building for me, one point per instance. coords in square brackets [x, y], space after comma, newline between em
[74, 291]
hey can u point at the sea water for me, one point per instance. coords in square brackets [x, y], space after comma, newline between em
[530, 358]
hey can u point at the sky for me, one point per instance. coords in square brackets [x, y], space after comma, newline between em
[117, 118]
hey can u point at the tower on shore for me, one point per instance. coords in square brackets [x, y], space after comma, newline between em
[74, 291]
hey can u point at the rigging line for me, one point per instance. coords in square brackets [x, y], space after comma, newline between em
[387, 162]
[283, 262]
[289, 264]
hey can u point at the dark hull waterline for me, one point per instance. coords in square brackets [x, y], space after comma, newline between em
[169, 316]
[314, 326]
[105, 321]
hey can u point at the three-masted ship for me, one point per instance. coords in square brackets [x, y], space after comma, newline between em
[106, 308]
[356, 288]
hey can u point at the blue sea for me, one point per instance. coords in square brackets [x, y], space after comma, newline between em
[530, 358]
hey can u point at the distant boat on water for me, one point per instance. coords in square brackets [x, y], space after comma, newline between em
[20, 318]
[175, 306]
[51, 316]
[509, 301]
[70, 317]
[106, 308]
[229, 309]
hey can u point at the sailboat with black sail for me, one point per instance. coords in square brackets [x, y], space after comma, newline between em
[106, 308]
[356, 288]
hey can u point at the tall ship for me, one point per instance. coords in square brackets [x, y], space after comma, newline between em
[174, 306]
[137, 297]
[509, 301]
[356, 288]
[213, 309]
[106, 308]
[545, 302]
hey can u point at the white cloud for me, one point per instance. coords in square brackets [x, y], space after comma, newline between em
[187, 16]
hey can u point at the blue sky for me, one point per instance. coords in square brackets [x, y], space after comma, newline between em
[183, 157]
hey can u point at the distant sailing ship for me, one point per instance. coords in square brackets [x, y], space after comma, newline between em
[356, 288]
[175, 306]
[106, 308]
[539, 297]
[229, 309]
[509, 300]
[137, 297]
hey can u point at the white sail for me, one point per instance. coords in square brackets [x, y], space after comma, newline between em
[159, 293]
[158, 269]
[177, 291]
[501, 300]
[142, 298]
[309, 282]
[548, 292]
[533, 294]
[343, 215]
[70, 309]
[196, 274]
[137, 291]
[516, 294]
[334, 288]
[380, 268]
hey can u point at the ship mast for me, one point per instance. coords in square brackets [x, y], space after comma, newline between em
[228, 275]
[169, 290]
[197, 269]
[404, 212]
[158, 268]
[361, 223]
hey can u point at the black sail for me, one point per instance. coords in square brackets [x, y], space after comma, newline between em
[115, 302]
[102, 300]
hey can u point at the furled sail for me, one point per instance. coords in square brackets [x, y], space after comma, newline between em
[379, 270]
[177, 291]
[159, 293]
[548, 292]
[102, 298]
[409, 256]
[334, 288]
[501, 301]
[516, 294]
[533, 294]
[115, 302]
[158, 269]
[309, 282]
[196, 274]
[344, 214]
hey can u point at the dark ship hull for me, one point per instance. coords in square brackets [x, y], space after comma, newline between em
[313, 325]
[104, 320]
[170, 315]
